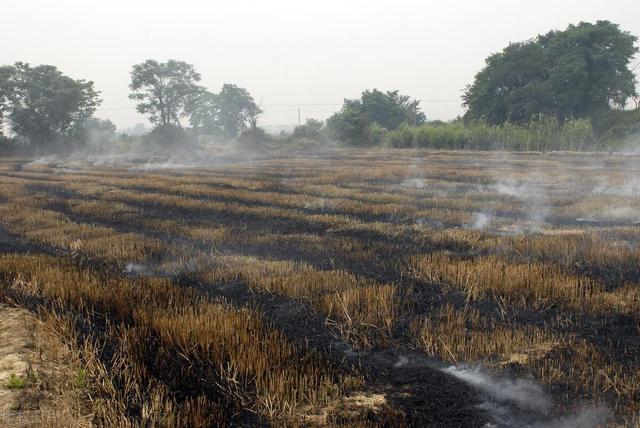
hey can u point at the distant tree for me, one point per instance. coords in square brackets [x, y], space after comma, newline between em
[349, 125]
[97, 133]
[390, 109]
[312, 128]
[573, 73]
[42, 104]
[237, 110]
[137, 130]
[202, 109]
[353, 123]
[163, 90]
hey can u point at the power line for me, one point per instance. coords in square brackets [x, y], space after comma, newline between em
[300, 104]
[114, 108]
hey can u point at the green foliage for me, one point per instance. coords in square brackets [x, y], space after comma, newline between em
[448, 136]
[163, 90]
[81, 378]
[349, 125]
[44, 107]
[169, 91]
[389, 109]
[401, 137]
[253, 135]
[237, 111]
[617, 126]
[312, 129]
[376, 134]
[353, 124]
[16, 382]
[167, 137]
[229, 113]
[575, 73]
[541, 134]
[202, 109]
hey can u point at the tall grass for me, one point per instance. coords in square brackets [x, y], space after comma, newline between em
[542, 134]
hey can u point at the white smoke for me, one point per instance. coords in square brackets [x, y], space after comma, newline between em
[402, 362]
[585, 418]
[430, 223]
[524, 393]
[522, 402]
[138, 269]
[321, 204]
[530, 195]
[613, 213]
[480, 221]
[630, 187]
[414, 183]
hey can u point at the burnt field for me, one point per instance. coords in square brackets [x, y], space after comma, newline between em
[346, 288]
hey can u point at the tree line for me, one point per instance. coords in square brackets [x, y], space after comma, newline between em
[43, 108]
[570, 86]
[169, 91]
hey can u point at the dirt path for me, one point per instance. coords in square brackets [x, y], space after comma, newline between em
[38, 375]
[15, 341]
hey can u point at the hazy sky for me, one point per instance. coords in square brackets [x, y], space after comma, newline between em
[288, 52]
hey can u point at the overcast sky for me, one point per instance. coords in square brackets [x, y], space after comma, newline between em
[288, 52]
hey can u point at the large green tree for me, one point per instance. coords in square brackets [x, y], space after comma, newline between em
[354, 123]
[163, 89]
[42, 104]
[202, 109]
[236, 111]
[566, 74]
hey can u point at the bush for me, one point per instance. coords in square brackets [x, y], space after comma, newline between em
[254, 136]
[167, 137]
[614, 127]
[401, 137]
[377, 135]
[312, 129]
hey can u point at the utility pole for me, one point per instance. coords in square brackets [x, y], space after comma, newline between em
[299, 123]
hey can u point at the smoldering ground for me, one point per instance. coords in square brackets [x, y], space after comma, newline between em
[537, 193]
[514, 402]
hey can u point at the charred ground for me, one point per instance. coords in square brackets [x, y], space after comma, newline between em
[337, 288]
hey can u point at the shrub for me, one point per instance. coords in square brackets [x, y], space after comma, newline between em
[16, 382]
[167, 136]
[312, 129]
[377, 135]
[617, 126]
[254, 135]
[401, 137]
